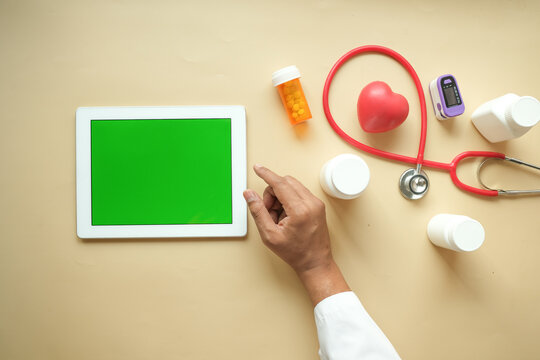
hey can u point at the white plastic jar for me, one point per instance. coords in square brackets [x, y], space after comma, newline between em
[345, 177]
[456, 232]
[506, 117]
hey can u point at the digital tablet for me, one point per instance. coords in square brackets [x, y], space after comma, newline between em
[154, 172]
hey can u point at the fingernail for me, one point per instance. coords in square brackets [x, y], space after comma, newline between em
[257, 166]
[250, 196]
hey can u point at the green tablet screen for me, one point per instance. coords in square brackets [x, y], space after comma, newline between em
[161, 171]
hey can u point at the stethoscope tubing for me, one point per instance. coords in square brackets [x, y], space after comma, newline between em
[419, 160]
[417, 83]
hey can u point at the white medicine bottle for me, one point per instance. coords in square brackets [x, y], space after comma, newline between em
[456, 232]
[506, 117]
[345, 177]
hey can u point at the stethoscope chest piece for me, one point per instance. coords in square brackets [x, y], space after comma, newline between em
[413, 184]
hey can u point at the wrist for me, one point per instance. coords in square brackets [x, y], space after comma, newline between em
[320, 269]
[323, 280]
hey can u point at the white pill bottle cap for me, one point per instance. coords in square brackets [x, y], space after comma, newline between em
[345, 177]
[456, 232]
[286, 74]
[522, 114]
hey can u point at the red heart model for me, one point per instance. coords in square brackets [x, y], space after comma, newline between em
[380, 109]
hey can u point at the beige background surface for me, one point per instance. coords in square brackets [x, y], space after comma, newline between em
[63, 298]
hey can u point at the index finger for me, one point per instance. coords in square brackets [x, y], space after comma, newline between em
[285, 193]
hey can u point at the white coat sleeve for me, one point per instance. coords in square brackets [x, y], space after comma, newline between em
[347, 332]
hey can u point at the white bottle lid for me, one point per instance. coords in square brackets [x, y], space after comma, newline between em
[345, 177]
[466, 235]
[524, 112]
[286, 74]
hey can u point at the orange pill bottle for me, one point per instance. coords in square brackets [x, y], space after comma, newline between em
[287, 81]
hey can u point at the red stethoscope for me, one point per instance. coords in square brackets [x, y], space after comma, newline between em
[414, 183]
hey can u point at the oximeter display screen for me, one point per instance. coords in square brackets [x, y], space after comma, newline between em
[450, 97]
[161, 171]
[450, 91]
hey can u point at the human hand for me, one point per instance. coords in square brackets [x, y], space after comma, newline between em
[291, 221]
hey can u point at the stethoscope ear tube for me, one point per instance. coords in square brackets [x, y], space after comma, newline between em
[502, 191]
[452, 168]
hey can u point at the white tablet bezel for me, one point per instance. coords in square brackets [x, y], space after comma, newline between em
[85, 229]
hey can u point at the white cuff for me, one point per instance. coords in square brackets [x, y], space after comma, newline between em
[346, 331]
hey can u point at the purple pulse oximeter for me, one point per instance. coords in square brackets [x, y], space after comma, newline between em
[446, 97]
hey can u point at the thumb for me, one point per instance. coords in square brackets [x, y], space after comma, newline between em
[260, 214]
